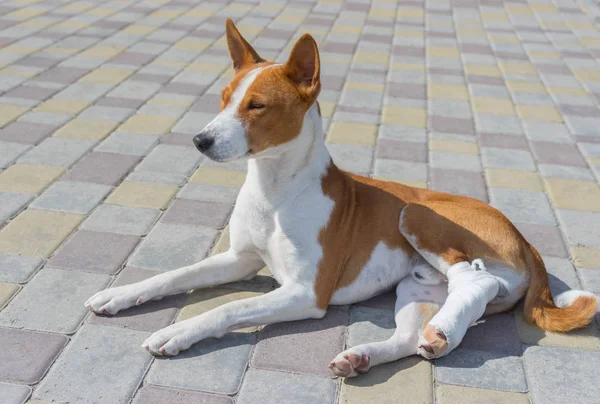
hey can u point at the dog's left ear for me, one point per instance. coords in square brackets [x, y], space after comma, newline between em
[303, 67]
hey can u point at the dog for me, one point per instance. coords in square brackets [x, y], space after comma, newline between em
[334, 238]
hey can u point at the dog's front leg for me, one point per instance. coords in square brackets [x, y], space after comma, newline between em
[229, 266]
[288, 303]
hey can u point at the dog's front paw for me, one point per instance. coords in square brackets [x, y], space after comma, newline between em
[349, 364]
[169, 341]
[111, 301]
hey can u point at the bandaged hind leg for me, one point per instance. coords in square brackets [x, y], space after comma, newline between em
[470, 289]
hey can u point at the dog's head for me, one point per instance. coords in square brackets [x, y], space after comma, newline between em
[265, 103]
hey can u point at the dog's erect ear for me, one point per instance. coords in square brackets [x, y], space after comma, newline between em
[239, 49]
[303, 66]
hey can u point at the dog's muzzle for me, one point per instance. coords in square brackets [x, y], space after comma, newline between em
[203, 142]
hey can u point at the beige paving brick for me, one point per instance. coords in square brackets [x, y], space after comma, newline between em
[86, 129]
[352, 133]
[7, 291]
[106, 75]
[568, 91]
[207, 67]
[372, 58]
[524, 69]
[28, 179]
[410, 183]
[537, 113]
[488, 105]
[447, 394]
[201, 301]
[453, 146]
[585, 257]
[103, 51]
[9, 113]
[192, 45]
[149, 124]
[443, 52]
[482, 70]
[585, 338]
[384, 384]
[63, 106]
[416, 117]
[587, 75]
[573, 194]
[364, 86]
[526, 87]
[218, 176]
[37, 233]
[142, 195]
[327, 108]
[448, 91]
[501, 178]
[222, 243]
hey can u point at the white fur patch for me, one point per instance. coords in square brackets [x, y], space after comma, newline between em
[565, 299]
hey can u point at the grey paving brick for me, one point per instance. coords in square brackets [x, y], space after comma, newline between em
[112, 114]
[9, 152]
[45, 118]
[14, 393]
[71, 196]
[459, 182]
[121, 219]
[128, 143]
[12, 204]
[53, 301]
[283, 347]
[84, 91]
[498, 124]
[562, 274]
[263, 386]
[523, 206]
[196, 213]
[102, 168]
[209, 193]
[454, 161]
[169, 246]
[92, 251]
[97, 357]
[28, 355]
[56, 151]
[546, 239]
[24, 132]
[159, 395]
[481, 369]
[582, 228]
[171, 159]
[157, 178]
[151, 316]
[409, 170]
[223, 362]
[507, 158]
[547, 131]
[404, 133]
[562, 375]
[568, 172]
[141, 90]
[18, 268]
[369, 324]
[193, 122]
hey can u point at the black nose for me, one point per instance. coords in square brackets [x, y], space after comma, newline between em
[203, 142]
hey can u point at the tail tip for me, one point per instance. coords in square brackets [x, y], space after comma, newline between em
[566, 299]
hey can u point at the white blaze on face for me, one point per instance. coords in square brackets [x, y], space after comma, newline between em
[227, 128]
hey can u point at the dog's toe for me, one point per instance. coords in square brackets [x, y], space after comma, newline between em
[350, 365]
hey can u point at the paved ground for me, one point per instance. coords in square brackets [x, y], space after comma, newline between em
[101, 185]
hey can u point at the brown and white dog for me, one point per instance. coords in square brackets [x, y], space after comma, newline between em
[335, 238]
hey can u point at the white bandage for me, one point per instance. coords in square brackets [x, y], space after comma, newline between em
[470, 289]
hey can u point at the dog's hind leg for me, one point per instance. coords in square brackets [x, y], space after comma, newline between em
[218, 269]
[416, 304]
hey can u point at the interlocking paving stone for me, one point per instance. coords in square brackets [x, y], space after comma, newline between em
[169, 246]
[150, 316]
[142, 195]
[276, 387]
[369, 325]
[196, 213]
[222, 363]
[209, 193]
[446, 394]
[97, 357]
[102, 168]
[459, 182]
[409, 377]
[71, 197]
[523, 206]
[9, 152]
[121, 219]
[159, 395]
[172, 159]
[546, 239]
[24, 132]
[92, 251]
[14, 393]
[18, 268]
[12, 203]
[7, 291]
[581, 228]
[128, 143]
[28, 355]
[562, 375]
[57, 152]
[53, 301]
[283, 346]
[27, 178]
[37, 232]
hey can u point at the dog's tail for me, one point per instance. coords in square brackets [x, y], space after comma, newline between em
[568, 311]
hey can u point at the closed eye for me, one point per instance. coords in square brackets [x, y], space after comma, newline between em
[255, 105]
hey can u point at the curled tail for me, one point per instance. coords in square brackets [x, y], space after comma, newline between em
[570, 310]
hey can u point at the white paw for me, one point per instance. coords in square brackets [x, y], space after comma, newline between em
[169, 341]
[111, 301]
[349, 364]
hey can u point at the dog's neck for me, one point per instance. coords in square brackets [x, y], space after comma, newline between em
[294, 166]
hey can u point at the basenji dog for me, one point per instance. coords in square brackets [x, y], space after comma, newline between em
[334, 238]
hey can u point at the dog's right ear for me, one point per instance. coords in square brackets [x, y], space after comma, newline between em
[240, 51]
